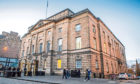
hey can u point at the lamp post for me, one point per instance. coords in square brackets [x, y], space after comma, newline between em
[5, 48]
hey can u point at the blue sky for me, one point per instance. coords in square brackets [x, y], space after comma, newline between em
[121, 16]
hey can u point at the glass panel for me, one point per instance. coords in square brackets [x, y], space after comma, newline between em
[94, 41]
[96, 64]
[78, 63]
[23, 53]
[60, 45]
[32, 49]
[78, 43]
[94, 30]
[78, 27]
[40, 51]
[60, 29]
[48, 45]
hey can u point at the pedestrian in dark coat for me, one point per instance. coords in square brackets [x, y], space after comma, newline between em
[68, 73]
[89, 72]
[25, 70]
[64, 74]
[79, 73]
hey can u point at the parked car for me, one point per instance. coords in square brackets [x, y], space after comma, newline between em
[138, 77]
[123, 76]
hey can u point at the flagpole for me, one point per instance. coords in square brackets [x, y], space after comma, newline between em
[46, 8]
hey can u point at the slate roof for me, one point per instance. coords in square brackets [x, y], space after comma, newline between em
[70, 16]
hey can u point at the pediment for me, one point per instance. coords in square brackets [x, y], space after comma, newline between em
[38, 24]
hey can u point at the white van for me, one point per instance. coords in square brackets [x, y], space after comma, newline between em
[123, 76]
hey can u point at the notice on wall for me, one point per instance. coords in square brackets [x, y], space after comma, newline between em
[59, 64]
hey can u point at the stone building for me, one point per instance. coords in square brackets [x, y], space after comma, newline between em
[73, 41]
[9, 47]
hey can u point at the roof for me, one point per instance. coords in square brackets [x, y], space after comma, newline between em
[73, 15]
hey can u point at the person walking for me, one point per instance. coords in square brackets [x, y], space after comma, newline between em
[86, 77]
[64, 74]
[89, 72]
[68, 73]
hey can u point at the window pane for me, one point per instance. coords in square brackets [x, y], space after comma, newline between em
[107, 67]
[105, 47]
[32, 49]
[78, 43]
[23, 53]
[27, 51]
[60, 29]
[97, 64]
[78, 63]
[40, 50]
[94, 30]
[78, 27]
[48, 46]
[49, 32]
[94, 41]
[60, 45]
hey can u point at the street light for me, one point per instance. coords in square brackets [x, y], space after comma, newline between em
[5, 48]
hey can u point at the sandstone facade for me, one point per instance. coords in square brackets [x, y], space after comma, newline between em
[87, 43]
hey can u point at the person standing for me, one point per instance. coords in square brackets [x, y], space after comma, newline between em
[79, 73]
[64, 74]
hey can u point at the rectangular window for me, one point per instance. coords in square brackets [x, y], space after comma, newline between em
[108, 39]
[78, 43]
[107, 67]
[110, 50]
[97, 64]
[78, 63]
[59, 63]
[48, 45]
[22, 53]
[40, 48]
[27, 52]
[78, 27]
[105, 50]
[112, 68]
[44, 64]
[59, 44]
[94, 30]
[49, 33]
[60, 30]
[94, 42]
[104, 35]
[32, 49]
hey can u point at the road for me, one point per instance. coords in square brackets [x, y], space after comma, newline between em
[59, 80]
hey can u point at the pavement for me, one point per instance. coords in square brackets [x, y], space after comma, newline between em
[129, 81]
[59, 80]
